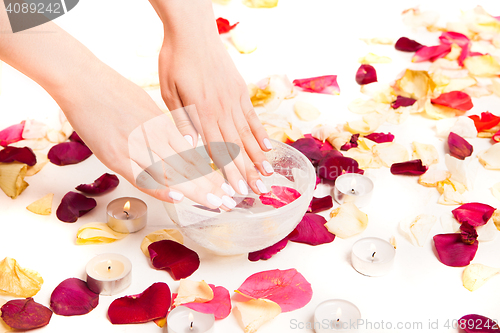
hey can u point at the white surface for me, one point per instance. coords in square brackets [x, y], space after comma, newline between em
[301, 39]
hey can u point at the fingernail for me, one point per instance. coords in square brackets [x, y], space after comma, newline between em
[228, 189]
[228, 202]
[260, 185]
[175, 195]
[267, 143]
[214, 200]
[243, 187]
[189, 139]
[268, 167]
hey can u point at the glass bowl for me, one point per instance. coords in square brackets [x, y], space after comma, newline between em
[244, 230]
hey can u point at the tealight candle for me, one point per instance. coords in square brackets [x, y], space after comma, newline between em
[353, 187]
[109, 274]
[372, 256]
[336, 315]
[184, 320]
[127, 215]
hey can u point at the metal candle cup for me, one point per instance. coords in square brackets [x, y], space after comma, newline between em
[109, 274]
[336, 315]
[372, 256]
[353, 187]
[125, 219]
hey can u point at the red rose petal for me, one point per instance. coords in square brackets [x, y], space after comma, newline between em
[402, 101]
[279, 196]
[288, 288]
[25, 314]
[323, 146]
[223, 25]
[474, 213]
[333, 166]
[405, 44]
[413, 167]
[473, 323]
[380, 137]
[451, 37]
[486, 121]
[151, 304]
[268, 252]
[103, 184]
[452, 251]
[459, 147]
[353, 143]
[431, 53]
[496, 136]
[322, 84]
[219, 306]
[311, 230]
[454, 99]
[171, 256]
[366, 74]
[74, 205]
[468, 232]
[76, 138]
[247, 202]
[11, 134]
[73, 297]
[13, 154]
[310, 148]
[320, 204]
[68, 153]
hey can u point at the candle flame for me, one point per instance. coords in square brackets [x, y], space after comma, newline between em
[109, 265]
[353, 182]
[126, 207]
[339, 313]
[191, 320]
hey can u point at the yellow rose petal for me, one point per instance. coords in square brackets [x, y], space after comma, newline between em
[416, 84]
[495, 190]
[378, 41]
[260, 3]
[158, 235]
[243, 40]
[372, 58]
[193, 291]
[255, 313]
[490, 158]
[426, 152]
[41, 161]
[42, 206]
[97, 233]
[347, 221]
[475, 275]
[18, 281]
[12, 178]
[306, 111]
[484, 65]
[389, 153]
[417, 228]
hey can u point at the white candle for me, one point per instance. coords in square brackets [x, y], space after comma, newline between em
[127, 215]
[372, 256]
[184, 320]
[353, 187]
[336, 315]
[109, 274]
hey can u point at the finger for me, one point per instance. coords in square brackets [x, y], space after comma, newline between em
[253, 121]
[185, 125]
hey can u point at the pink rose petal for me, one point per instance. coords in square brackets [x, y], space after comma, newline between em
[67, 153]
[459, 147]
[454, 99]
[353, 143]
[496, 136]
[322, 84]
[223, 25]
[452, 251]
[320, 204]
[246, 203]
[451, 37]
[402, 101]
[405, 44]
[486, 121]
[468, 232]
[366, 74]
[288, 288]
[473, 323]
[311, 230]
[72, 297]
[25, 314]
[431, 53]
[279, 196]
[380, 137]
[475, 213]
[74, 205]
[11, 134]
[173, 257]
[414, 167]
[268, 252]
[310, 147]
[151, 304]
[13, 154]
[101, 185]
[331, 167]
[219, 306]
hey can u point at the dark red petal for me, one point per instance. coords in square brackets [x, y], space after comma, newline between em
[268, 252]
[468, 232]
[413, 167]
[247, 202]
[76, 138]
[380, 137]
[474, 213]
[323, 146]
[454, 99]
[353, 143]
[333, 166]
[310, 148]
[151, 304]
[25, 314]
[103, 184]
[173, 257]
[322, 84]
[431, 53]
[13, 154]
[473, 323]
[366, 74]
[223, 25]
[459, 147]
[407, 45]
[279, 196]
[311, 230]
[486, 121]
[402, 101]
[68, 153]
[320, 204]
[74, 205]
[452, 251]
[219, 306]
[72, 297]
[11, 134]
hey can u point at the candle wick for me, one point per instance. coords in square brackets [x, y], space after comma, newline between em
[353, 191]
[126, 213]
[109, 268]
[191, 326]
[373, 255]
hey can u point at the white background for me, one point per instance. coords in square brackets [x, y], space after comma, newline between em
[300, 39]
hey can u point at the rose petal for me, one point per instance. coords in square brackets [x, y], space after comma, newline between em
[260, 3]
[405, 44]
[23, 155]
[414, 167]
[67, 153]
[76, 138]
[451, 196]
[437, 111]
[171, 256]
[490, 158]
[427, 153]
[452, 251]
[288, 288]
[34, 129]
[474, 323]
[11, 134]
[4, 328]
[431, 53]
[219, 306]
[403, 101]
[41, 161]
[223, 25]
[193, 291]
[246, 203]
[347, 221]
[468, 232]
[496, 136]
[97, 233]
[372, 58]
[463, 126]
[279, 196]
[72, 297]
[74, 205]
[101, 185]
[332, 167]
[152, 303]
[380, 137]
[495, 190]
[476, 214]
[378, 41]
[389, 153]
[454, 99]
[417, 228]
[25, 314]
[158, 235]
[311, 230]
[42, 206]
[322, 84]
[268, 252]
[305, 111]
[255, 313]
[366, 74]
[353, 143]
[415, 18]
[475, 275]
[459, 147]
[269, 93]
[12, 178]
[483, 65]
[18, 281]
[320, 204]
[415, 83]
[486, 121]
[244, 39]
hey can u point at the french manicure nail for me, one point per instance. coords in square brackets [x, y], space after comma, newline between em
[260, 185]
[228, 189]
[214, 200]
[175, 195]
[268, 167]
[189, 139]
[228, 202]
[267, 143]
[243, 187]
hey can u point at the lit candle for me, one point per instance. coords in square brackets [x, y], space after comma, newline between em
[109, 274]
[353, 187]
[127, 215]
[372, 256]
[184, 320]
[336, 315]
